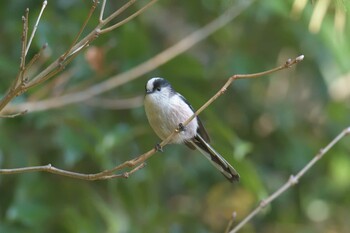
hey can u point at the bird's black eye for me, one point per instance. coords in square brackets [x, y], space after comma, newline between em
[158, 89]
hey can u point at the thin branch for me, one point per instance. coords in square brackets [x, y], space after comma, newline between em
[147, 66]
[54, 72]
[14, 115]
[107, 174]
[102, 10]
[55, 66]
[230, 223]
[92, 9]
[24, 44]
[292, 180]
[51, 169]
[36, 56]
[286, 65]
[35, 26]
[124, 21]
[116, 13]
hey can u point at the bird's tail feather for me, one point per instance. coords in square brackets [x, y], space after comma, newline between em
[215, 158]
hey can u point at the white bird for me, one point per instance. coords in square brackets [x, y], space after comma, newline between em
[166, 110]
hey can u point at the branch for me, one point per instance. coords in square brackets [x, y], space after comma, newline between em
[36, 26]
[124, 21]
[102, 10]
[140, 160]
[14, 115]
[24, 48]
[92, 9]
[147, 66]
[73, 50]
[292, 180]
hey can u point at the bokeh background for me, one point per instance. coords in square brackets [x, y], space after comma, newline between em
[267, 128]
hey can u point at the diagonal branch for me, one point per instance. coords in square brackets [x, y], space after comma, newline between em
[124, 21]
[102, 10]
[292, 180]
[140, 160]
[35, 26]
[57, 65]
[92, 9]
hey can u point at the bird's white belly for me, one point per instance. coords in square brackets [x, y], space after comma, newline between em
[164, 118]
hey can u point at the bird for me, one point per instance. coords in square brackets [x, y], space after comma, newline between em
[166, 110]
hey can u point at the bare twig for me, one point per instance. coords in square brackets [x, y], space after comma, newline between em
[36, 56]
[103, 22]
[108, 174]
[230, 223]
[292, 180]
[24, 48]
[51, 169]
[102, 10]
[92, 9]
[36, 26]
[124, 21]
[120, 79]
[13, 115]
[58, 69]
[62, 61]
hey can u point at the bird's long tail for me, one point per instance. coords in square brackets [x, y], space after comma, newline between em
[215, 158]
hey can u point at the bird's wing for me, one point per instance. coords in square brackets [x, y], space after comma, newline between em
[200, 130]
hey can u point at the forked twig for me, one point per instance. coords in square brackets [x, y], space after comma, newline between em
[124, 21]
[76, 47]
[292, 180]
[92, 9]
[139, 70]
[108, 174]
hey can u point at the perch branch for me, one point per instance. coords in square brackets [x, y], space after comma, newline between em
[138, 161]
[292, 180]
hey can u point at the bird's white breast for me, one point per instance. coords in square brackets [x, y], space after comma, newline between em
[165, 112]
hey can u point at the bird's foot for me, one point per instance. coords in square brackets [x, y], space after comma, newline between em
[158, 148]
[181, 128]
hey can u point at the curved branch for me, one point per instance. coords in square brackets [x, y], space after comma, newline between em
[138, 161]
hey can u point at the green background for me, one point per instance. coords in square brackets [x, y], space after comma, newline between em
[267, 128]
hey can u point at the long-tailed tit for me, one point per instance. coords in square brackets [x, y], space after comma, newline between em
[166, 110]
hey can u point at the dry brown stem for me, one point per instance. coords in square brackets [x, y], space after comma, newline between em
[139, 161]
[23, 83]
[120, 79]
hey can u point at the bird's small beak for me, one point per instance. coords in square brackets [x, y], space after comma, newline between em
[148, 92]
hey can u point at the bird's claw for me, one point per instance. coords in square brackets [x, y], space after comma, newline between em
[158, 148]
[181, 128]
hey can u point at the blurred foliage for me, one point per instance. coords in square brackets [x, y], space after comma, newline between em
[267, 128]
